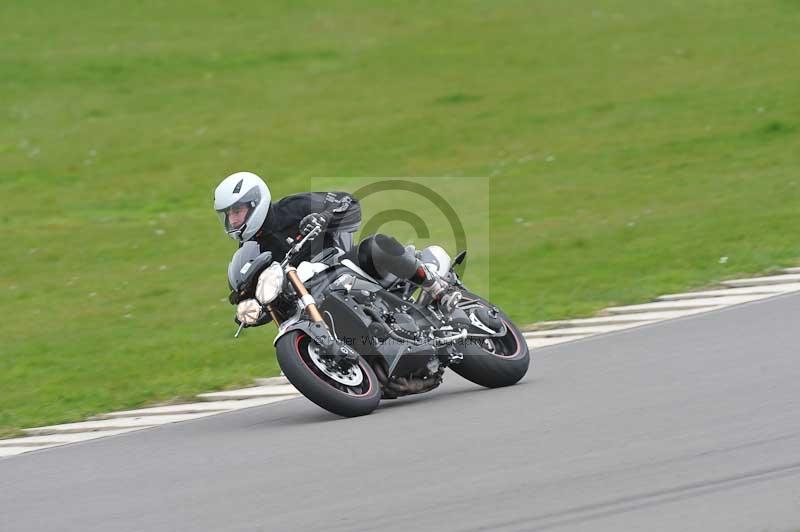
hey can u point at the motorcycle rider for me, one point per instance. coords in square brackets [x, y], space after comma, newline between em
[243, 203]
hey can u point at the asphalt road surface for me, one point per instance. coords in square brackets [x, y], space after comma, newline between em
[692, 424]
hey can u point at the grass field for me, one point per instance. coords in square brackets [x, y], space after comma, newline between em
[628, 148]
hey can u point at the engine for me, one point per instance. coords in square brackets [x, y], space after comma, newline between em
[395, 326]
[399, 337]
[404, 325]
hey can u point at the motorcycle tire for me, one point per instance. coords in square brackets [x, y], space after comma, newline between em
[336, 392]
[502, 363]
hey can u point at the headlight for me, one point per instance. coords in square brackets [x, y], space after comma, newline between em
[270, 283]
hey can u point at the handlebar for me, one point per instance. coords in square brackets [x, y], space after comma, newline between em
[299, 246]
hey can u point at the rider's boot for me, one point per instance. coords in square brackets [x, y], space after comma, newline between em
[436, 290]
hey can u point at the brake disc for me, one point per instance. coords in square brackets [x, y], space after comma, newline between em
[352, 377]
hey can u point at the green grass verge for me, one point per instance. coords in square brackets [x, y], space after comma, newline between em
[628, 147]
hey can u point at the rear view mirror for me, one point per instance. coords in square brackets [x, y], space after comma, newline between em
[458, 263]
[246, 264]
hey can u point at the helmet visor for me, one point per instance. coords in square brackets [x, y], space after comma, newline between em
[235, 217]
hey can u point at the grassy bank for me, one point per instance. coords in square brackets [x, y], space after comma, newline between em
[620, 150]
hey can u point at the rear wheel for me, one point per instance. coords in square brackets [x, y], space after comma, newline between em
[349, 392]
[495, 362]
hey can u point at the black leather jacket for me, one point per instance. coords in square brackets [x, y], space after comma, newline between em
[284, 216]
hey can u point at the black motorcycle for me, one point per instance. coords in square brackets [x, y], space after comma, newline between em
[357, 327]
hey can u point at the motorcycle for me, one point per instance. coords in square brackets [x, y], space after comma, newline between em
[348, 338]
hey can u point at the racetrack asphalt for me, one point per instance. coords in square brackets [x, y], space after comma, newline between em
[692, 424]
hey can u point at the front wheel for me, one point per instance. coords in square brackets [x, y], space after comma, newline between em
[350, 393]
[494, 362]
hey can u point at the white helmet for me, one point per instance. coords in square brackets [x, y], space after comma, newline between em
[242, 201]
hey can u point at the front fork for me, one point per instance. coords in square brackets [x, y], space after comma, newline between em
[306, 299]
[317, 329]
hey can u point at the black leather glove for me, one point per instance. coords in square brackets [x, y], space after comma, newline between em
[312, 221]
